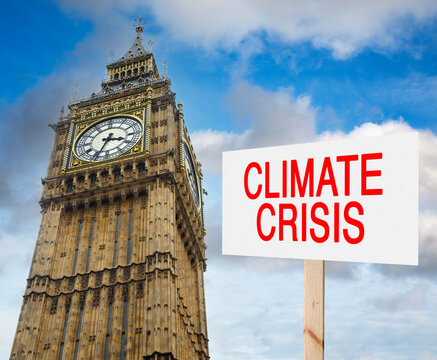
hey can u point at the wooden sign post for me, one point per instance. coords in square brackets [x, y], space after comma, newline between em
[314, 310]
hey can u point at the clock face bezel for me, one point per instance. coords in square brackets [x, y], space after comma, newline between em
[113, 156]
[188, 157]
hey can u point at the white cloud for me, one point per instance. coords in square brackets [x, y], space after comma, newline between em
[344, 27]
[276, 118]
[428, 169]
[373, 315]
[414, 298]
[235, 307]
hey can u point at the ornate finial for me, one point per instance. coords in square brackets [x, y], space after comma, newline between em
[61, 115]
[139, 27]
[111, 54]
[180, 106]
[150, 42]
[164, 64]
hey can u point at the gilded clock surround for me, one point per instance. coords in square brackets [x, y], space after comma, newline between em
[76, 161]
[117, 271]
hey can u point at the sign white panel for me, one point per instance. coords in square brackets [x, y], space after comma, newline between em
[347, 200]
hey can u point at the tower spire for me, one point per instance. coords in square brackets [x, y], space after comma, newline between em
[137, 49]
[135, 68]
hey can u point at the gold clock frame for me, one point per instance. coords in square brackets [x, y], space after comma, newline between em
[196, 169]
[185, 138]
[75, 163]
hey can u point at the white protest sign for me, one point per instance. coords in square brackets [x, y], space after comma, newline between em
[345, 200]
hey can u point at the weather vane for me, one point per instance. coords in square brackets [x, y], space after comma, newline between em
[111, 54]
[150, 42]
[139, 26]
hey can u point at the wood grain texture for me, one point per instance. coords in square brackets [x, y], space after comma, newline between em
[314, 310]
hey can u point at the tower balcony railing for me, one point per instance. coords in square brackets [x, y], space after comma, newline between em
[83, 181]
[103, 93]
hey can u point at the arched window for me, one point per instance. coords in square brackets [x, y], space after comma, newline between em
[70, 184]
[142, 169]
[93, 179]
[117, 174]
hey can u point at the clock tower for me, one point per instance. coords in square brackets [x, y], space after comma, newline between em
[117, 271]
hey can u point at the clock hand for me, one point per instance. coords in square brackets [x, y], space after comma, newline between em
[119, 138]
[191, 178]
[106, 140]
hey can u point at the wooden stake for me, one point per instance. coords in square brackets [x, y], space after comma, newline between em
[314, 310]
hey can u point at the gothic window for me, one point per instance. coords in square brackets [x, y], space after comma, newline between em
[142, 169]
[123, 330]
[129, 235]
[63, 333]
[70, 185]
[89, 246]
[118, 175]
[108, 331]
[114, 257]
[77, 247]
[79, 328]
[93, 179]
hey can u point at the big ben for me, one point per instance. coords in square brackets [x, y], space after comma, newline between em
[117, 271]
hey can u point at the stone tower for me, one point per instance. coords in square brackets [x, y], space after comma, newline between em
[117, 271]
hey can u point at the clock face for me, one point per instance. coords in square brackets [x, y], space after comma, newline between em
[191, 175]
[108, 139]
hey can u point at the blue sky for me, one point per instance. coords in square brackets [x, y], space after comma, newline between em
[250, 73]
